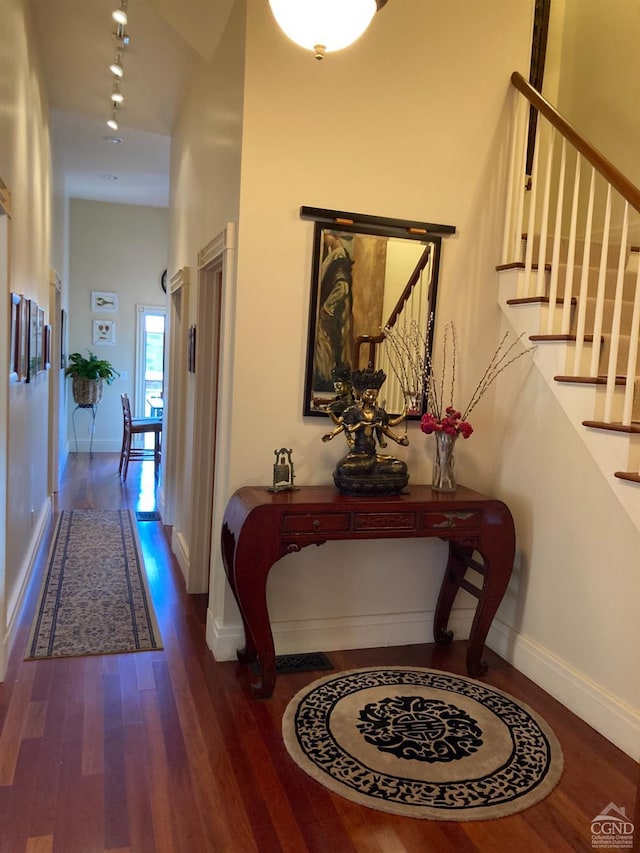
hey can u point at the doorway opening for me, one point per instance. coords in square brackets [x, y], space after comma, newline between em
[150, 348]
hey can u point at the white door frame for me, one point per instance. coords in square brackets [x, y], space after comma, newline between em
[213, 396]
[173, 428]
[141, 313]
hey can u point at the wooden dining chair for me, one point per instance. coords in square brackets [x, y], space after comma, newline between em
[137, 426]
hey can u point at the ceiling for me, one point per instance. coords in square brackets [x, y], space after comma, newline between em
[169, 41]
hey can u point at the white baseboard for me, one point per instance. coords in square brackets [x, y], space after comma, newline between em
[16, 603]
[606, 713]
[362, 632]
[181, 552]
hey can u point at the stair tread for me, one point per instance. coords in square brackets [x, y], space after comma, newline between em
[614, 426]
[627, 475]
[590, 380]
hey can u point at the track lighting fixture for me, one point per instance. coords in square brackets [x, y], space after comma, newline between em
[119, 15]
[116, 66]
[116, 95]
[113, 121]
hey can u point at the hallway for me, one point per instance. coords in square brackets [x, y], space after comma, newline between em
[167, 751]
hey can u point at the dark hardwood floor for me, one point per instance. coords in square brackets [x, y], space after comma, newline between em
[167, 751]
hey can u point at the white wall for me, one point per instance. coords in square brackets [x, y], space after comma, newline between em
[25, 167]
[119, 248]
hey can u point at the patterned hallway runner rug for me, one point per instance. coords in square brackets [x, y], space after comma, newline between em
[422, 743]
[94, 598]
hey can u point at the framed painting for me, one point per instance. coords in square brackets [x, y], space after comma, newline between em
[367, 273]
[23, 339]
[104, 332]
[40, 340]
[191, 352]
[104, 301]
[32, 357]
[46, 347]
[14, 352]
[63, 332]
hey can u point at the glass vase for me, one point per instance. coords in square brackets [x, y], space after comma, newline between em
[444, 478]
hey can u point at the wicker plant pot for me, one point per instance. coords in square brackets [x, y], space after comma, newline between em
[86, 392]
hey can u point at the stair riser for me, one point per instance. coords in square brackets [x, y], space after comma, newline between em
[610, 283]
[617, 408]
[595, 252]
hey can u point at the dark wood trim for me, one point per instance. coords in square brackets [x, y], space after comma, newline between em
[520, 265]
[569, 338]
[613, 426]
[590, 380]
[632, 478]
[538, 300]
[614, 176]
[383, 224]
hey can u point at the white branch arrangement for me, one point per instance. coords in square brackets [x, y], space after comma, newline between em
[412, 366]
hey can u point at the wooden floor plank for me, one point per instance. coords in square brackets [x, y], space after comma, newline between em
[167, 751]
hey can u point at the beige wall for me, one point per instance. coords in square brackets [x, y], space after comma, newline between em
[599, 77]
[25, 167]
[121, 248]
[592, 78]
[205, 196]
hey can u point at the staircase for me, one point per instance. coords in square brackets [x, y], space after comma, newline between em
[570, 278]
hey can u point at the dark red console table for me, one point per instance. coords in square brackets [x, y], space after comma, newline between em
[260, 527]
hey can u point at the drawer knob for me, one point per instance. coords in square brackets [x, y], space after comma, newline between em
[316, 524]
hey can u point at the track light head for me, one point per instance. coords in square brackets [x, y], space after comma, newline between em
[119, 15]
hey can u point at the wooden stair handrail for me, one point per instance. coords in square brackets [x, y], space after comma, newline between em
[374, 340]
[614, 176]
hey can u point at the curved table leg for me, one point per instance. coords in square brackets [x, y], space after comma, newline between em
[497, 547]
[454, 573]
[250, 588]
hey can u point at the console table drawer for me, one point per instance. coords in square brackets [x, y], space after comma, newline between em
[384, 521]
[451, 519]
[330, 523]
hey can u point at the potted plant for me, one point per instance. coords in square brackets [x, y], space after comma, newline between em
[88, 374]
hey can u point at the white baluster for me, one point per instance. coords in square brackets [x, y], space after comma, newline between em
[584, 279]
[557, 236]
[544, 224]
[632, 361]
[617, 316]
[565, 325]
[597, 320]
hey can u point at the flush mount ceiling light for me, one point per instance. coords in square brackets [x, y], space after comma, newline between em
[324, 25]
[119, 15]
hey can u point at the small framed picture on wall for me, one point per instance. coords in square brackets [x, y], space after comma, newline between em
[104, 332]
[103, 301]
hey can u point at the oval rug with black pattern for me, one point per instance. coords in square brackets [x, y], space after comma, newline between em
[422, 743]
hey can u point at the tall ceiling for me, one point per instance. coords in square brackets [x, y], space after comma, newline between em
[169, 40]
